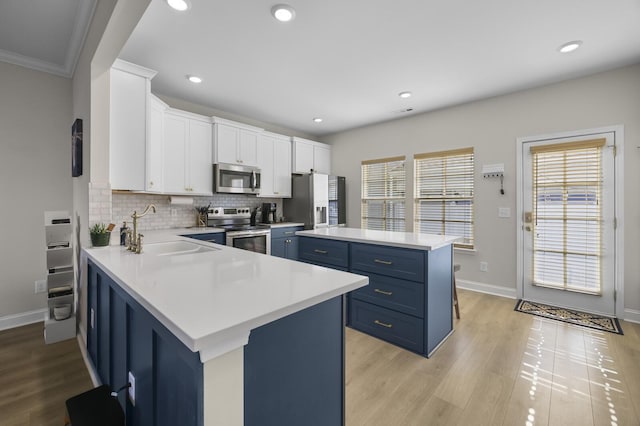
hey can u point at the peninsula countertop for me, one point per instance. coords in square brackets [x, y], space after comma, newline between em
[212, 300]
[387, 238]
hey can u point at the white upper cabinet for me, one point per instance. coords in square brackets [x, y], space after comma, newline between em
[129, 94]
[310, 156]
[235, 143]
[187, 154]
[274, 154]
[155, 145]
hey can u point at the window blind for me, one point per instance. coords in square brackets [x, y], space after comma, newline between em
[383, 194]
[567, 215]
[444, 194]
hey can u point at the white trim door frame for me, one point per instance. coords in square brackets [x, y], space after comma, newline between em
[618, 136]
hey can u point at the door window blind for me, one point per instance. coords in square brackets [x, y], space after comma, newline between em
[444, 194]
[567, 215]
[383, 194]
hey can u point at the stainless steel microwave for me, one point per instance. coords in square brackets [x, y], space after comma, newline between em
[236, 179]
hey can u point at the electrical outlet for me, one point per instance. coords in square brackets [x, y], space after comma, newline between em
[41, 286]
[174, 212]
[484, 267]
[132, 388]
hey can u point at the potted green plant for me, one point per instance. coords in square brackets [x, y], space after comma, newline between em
[100, 235]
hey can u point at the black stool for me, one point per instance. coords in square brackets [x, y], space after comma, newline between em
[456, 268]
[95, 407]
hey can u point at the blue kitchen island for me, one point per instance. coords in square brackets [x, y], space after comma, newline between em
[408, 301]
[212, 335]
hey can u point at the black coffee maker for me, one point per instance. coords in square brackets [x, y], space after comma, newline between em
[269, 212]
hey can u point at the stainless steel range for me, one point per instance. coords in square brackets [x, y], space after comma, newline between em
[239, 230]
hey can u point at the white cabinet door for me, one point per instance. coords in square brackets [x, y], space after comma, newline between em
[155, 145]
[302, 156]
[226, 140]
[322, 158]
[199, 168]
[265, 162]
[175, 145]
[127, 127]
[282, 168]
[248, 148]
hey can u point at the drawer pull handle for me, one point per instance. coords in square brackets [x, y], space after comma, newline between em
[288, 232]
[386, 293]
[383, 324]
[384, 262]
[321, 251]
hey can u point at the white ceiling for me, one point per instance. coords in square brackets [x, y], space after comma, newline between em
[344, 61]
[43, 34]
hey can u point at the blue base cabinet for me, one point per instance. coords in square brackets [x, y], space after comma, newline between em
[408, 301]
[284, 242]
[293, 367]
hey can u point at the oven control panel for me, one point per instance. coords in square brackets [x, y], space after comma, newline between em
[229, 212]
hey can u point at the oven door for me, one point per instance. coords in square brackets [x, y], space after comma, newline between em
[256, 241]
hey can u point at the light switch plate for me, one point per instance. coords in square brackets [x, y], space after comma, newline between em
[41, 286]
[504, 212]
[132, 388]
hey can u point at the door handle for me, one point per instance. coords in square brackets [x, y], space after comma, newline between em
[384, 262]
[386, 293]
[527, 228]
[383, 324]
[321, 251]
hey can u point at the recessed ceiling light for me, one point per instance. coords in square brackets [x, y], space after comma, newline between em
[179, 5]
[570, 46]
[194, 79]
[317, 120]
[404, 95]
[283, 12]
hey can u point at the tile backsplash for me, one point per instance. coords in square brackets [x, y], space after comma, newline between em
[176, 215]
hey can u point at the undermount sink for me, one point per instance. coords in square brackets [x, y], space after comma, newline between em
[175, 248]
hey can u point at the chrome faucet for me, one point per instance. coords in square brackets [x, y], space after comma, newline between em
[135, 240]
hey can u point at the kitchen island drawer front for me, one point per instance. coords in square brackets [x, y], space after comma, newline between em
[326, 252]
[394, 327]
[287, 232]
[396, 262]
[400, 295]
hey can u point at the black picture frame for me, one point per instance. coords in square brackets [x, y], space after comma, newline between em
[76, 148]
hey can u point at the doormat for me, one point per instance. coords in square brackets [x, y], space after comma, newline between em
[569, 315]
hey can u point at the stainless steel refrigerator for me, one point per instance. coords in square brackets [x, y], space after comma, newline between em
[310, 202]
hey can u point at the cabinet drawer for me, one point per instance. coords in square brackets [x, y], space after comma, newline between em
[393, 293]
[327, 252]
[396, 262]
[285, 232]
[395, 327]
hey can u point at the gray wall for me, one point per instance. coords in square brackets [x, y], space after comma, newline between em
[491, 126]
[35, 165]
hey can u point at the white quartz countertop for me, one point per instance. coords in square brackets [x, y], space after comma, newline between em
[285, 224]
[212, 300]
[387, 238]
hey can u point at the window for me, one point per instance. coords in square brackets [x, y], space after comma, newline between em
[567, 215]
[444, 194]
[383, 194]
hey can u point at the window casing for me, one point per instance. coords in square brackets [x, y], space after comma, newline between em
[444, 188]
[383, 194]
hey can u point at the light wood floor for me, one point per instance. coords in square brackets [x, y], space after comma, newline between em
[36, 379]
[499, 367]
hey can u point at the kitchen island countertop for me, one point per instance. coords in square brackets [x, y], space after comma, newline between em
[387, 238]
[212, 300]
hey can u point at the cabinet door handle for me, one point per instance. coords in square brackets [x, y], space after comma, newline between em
[386, 293]
[383, 324]
[384, 262]
[321, 251]
[288, 232]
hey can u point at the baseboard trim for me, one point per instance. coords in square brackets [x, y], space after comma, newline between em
[494, 290]
[82, 344]
[632, 315]
[23, 318]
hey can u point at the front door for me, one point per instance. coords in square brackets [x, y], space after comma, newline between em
[568, 222]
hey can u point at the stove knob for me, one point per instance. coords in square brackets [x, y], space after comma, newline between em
[215, 211]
